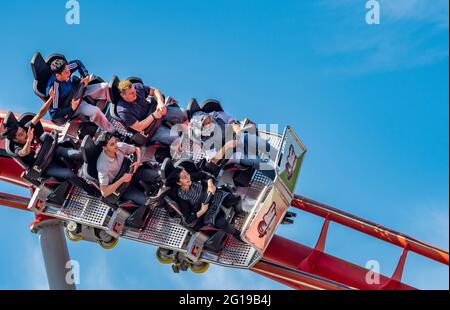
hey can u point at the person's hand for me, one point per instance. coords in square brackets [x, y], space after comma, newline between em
[211, 187]
[163, 109]
[85, 81]
[135, 166]
[126, 178]
[75, 104]
[157, 114]
[204, 208]
[236, 129]
[51, 93]
[30, 134]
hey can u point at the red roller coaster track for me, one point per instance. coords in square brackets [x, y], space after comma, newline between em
[286, 261]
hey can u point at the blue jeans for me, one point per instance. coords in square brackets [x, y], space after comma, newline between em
[68, 153]
[174, 115]
[133, 192]
[61, 172]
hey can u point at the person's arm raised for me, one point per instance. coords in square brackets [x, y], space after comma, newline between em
[26, 148]
[44, 109]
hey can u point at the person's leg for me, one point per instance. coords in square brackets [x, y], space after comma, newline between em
[262, 167]
[95, 115]
[233, 201]
[254, 146]
[164, 135]
[230, 200]
[98, 91]
[175, 115]
[222, 223]
[63, 173]
[134, 194]
[68, 153]
[146, 178]
[251, 148]
[147, 174]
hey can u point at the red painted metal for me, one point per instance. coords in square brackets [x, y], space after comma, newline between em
[14, 201]
[370, 228]
[295, 279]
[287, 253]
[309, 263]
[11, 171]
[397, 275]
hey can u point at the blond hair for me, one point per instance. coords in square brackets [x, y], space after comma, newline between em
[124, 85]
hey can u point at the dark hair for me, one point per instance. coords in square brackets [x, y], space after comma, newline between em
[104, 137]
[173, 177]
[9, 132]
[57, 66]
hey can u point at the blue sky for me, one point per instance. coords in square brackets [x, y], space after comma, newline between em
[369, 101]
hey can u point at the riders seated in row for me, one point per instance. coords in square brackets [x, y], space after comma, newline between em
[196, 194]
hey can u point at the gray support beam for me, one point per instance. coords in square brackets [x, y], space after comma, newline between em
[55, 254]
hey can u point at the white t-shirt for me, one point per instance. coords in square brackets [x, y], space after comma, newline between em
[108, 167]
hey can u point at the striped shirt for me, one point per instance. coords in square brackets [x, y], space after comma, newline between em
[193, 194]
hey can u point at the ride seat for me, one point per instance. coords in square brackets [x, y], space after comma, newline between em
[208, 106]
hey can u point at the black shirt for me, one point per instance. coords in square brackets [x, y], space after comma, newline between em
[138, 110]
[34, 149]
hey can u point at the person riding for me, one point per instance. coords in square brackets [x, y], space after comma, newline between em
[62, 83]
[108, 166]
[199, 200]
[216, 131]
[133, 108]
[27, 145]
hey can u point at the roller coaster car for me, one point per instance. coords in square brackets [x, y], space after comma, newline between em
[42, 74]
[265, 201]
[207, 238]
[91, 151]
